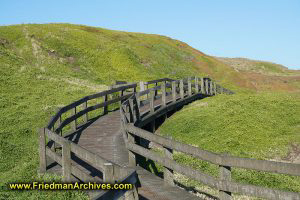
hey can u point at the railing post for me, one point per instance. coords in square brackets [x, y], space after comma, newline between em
[174, 91]
[66, 161]
[189, 86]
[156, 84]
[108, 175]
[222, 91]
[202, 86]
[181, 89]
[105, 111]
[163, 95]
[206, 86]
[42, 151]
[151, 101]
[215, 88]
[74, 123]
[133, 111]
[86, 116]
[168, 173]
[142, 86]
[138, 101]
[131, 155]
[196, 85]
[225, 175]
[211, 87]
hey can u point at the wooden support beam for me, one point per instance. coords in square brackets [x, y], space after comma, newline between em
[206, 86]
[86, 116]
[173, 91]
[196, 85]
[42, 151]
[215, 88]
[189, 86]
[163, 91]
[168, 173]
[181, 89]
[225, 174]
[108, 174]
[202, 86]
[66, 161]
[74, 123]
[211, 87]
[105, 111]
[131, 158]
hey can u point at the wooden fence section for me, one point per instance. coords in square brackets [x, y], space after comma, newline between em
[53, 135]
[182, 90]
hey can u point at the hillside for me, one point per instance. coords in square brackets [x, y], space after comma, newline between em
[46, 66]
[262, 126]
[265, 75]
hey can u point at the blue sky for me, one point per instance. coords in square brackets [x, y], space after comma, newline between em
[257, 29]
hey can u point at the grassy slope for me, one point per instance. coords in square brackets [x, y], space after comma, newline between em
[262, 126]
[43, 67]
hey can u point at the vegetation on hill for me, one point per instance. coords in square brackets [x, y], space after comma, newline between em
[46, 66]
[261, 126]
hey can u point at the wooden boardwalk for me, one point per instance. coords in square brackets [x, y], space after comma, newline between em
[104, 138]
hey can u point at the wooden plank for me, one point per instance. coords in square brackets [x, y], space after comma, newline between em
[163, 91]
[189, 86]
[225, 174]
[74, 122]
[108, 174]
[86, 116]
[225, 160]
[181, 89]
[95, 160]
[131, 158]
[42, 151]
[81, 175]
[66, 161]
[206, 87]
[168, 173]
[211, 181]
[173, 91]
[196, 85]
[202, 86]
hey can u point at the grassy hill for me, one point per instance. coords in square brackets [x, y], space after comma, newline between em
[262, 126]
[46, 66]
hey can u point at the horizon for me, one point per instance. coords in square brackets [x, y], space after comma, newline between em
[263, 31]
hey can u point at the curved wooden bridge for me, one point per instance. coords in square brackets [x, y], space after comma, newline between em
[105, 137]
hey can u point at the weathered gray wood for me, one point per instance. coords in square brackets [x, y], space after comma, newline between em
[211, 181]
[66, 161]
[211, 87]
[142, 86]
[196, 85]
[225, 175]
[151, 102]
[83, 176]
[222, 90]
[131, 158]
[163, 91]
[42, 151]
[189, 86]
[105, 99]
[95, 160]
[86, 116]
[202, 86]
[174, 91]
[74, 123]
[168, 173]
[225, 160]
[206, 87]
[215, 88]
[108, 174]
[181, 89]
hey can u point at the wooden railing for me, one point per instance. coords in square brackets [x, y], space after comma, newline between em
[55, 140]
[134, 116]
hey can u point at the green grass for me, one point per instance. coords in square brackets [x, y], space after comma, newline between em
[46, 66]
[261, 126]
